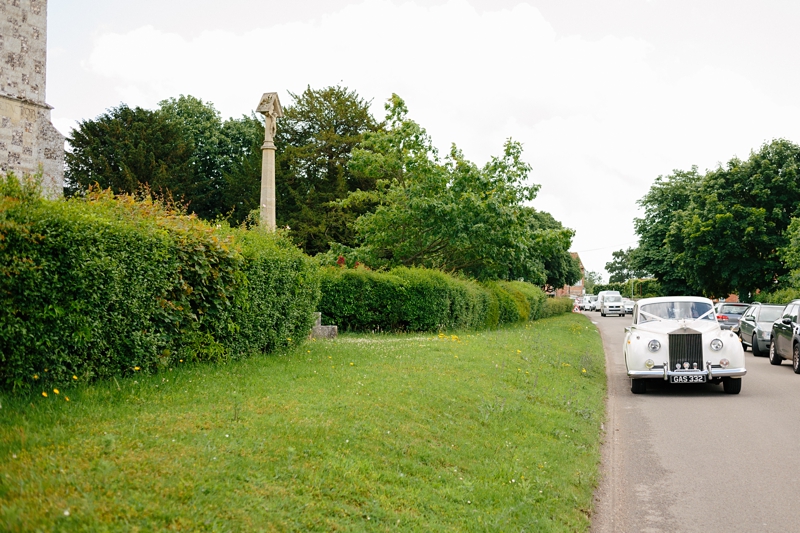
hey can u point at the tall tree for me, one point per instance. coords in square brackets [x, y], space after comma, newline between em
[315, 139]
[663, 205]
[553, 242]
[622, 266]
[591, 278]
[735, 224]
[450, 215]
[126, 147]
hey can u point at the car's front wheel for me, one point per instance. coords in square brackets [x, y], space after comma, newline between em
[774, 358]
[796, 358]
[638, 386]
[757, 351]
[732, 386]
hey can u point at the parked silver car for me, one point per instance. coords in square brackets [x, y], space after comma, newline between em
[755, 327]
[728, 314]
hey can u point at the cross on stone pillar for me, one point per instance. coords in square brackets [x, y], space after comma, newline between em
[271, 108]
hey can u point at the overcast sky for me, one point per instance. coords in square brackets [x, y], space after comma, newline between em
[605, 96]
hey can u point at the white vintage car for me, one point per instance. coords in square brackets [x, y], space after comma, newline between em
[677, 339]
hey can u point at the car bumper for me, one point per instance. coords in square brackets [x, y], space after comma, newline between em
[710, 372]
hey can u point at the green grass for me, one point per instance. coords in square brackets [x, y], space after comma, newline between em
[490, 431]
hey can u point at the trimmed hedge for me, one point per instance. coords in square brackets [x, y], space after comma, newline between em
[105, 285]
[416, 299]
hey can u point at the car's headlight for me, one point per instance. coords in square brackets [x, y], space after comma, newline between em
[716, 345]
[764, 334]
[654, 345]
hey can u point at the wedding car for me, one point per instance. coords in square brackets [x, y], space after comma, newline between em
[678, 339]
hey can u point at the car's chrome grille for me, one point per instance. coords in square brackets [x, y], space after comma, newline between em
[685, 346]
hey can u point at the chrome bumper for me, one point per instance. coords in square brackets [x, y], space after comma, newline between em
[710, 372]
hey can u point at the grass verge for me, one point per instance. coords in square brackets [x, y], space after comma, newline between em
[490, 431]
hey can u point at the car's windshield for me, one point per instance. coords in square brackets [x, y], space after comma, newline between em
[612, 298]
[770, 314]
[675, 311]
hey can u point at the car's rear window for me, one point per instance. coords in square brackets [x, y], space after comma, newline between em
[770, 314]
[732, 309]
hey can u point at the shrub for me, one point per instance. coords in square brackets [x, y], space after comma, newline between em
[417, 299]
[781, 296]
[105, 285]
[557, 306]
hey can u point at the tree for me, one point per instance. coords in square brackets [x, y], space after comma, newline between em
[315, 139]
[590, 280]
[623, 266]
[663, 205]
[553, 243]
[182, 148]
[449, 215]
[125, 148]
[727, 239]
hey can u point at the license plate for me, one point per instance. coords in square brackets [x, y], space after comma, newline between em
[689, 378]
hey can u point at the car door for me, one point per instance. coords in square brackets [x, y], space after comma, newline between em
[747, 325]
[783, 330]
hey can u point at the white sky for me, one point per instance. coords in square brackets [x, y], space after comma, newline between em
[604, 96]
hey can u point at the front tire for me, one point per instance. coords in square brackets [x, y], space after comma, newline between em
[774, 359]
[638, 386]
[796, 358]
[757, 351]
[732, 386]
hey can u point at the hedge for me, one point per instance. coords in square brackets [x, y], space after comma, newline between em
[416, 299]
[104, 286]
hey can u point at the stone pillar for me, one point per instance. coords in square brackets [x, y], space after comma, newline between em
[271, 108]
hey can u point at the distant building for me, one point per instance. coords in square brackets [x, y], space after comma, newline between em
[28, 140]
[573, 290]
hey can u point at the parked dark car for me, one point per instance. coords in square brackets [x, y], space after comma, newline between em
[755, 327]
[728, 315]
[785, 342]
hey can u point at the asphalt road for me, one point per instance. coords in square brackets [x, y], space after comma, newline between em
[686, 458]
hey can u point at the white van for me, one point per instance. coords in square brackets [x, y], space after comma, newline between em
[598, 306]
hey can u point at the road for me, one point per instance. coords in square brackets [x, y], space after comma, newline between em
[686, 458]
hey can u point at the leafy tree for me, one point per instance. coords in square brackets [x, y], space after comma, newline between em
[201, 126]
[448, 215]
[553, 241]
[622, 267]
[183, 147]
[662, 205]
[730, 234]
[125, 148]
[590, 280]
[315, 139]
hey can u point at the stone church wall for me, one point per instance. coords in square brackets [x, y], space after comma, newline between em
[28, 139]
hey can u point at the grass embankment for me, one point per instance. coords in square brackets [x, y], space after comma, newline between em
[491, 431]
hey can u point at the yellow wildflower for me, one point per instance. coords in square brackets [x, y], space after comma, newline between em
[74, 377]
[44, 394]
[55, 390]
[584, 371]
[136, 368]
[36, 376]
[66, 398]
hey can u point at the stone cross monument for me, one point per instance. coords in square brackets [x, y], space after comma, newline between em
[271, 108]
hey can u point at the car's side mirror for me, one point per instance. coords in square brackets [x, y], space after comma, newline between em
[787, 320]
